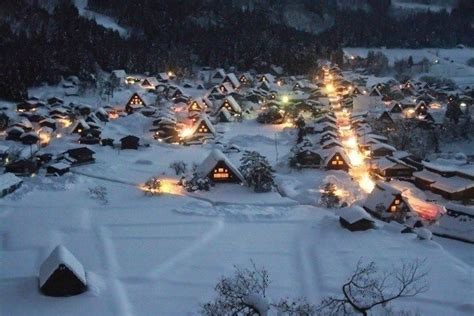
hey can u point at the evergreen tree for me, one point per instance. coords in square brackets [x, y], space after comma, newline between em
[329, 198]
[257, 171]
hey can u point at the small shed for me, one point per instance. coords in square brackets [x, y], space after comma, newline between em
[57, 169]
[129, 142]
[61, 274]
[355, 218]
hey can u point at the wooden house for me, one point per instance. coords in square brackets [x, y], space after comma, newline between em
[226, 88]
[217, 76]
[61, 274]
[232, 79]
[389, 168]
[80, 126]
[14, 133]
[26, 106]
[386, 202]
[385, 118]
[130, 142]
[22, 167]
[150, 83]
[197, 105]
[202, 129]
[89, 139]
[55, 101]
[307, 157]
[355, 218]
[336, 159]
[381, 150]
[331, 143]
[421, 109]
[78, 156]
[117, 77]
[134, 103]
[50, 123]
[57, 169]
[9, 183]
[223, 115]
[375, 92]
[219, 169]
[268, 78]
[29, 138]
[396, 108]
[245, 79]
[231, 105]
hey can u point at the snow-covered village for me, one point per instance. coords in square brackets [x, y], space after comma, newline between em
[318, 180]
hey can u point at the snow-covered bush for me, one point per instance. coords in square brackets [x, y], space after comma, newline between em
[99, 193]
[152, 186]
[179, 167]
[196, 183]
[272, 115]
[257, 171]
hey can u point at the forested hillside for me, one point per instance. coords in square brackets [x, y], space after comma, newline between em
[40, 43]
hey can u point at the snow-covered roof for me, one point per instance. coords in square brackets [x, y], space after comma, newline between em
[453, 184]
[354, 214]
[377, 146]
[211, 161]
[8, 180]
[60, 166]
[466, 209]
[232, 102]
[203, 118]
[4, 149]
[383, 194]
[119, 73]
[233, 79]
[329, 153]
[61, 255]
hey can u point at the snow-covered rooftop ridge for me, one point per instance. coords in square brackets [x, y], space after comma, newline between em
[61, 255]
[353, 214]
[210, 162]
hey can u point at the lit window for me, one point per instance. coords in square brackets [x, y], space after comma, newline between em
[397, 202]
[340, 162]
[334, 162]
[393, 208]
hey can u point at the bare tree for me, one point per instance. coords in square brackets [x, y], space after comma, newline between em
[244, 294]
[367, 288]
[233, 292]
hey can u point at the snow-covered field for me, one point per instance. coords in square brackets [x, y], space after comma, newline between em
[163, 255]
[447, 63]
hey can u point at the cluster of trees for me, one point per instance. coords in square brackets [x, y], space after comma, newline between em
[45, 45]
[367, 290]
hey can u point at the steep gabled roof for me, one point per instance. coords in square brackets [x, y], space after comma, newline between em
[211, 161]
[61, 255]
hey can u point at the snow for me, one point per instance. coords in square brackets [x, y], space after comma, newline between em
[257, 301]
[354, 214]
[8, 180]
[445, 62]
[61, 255]
[100, 19]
